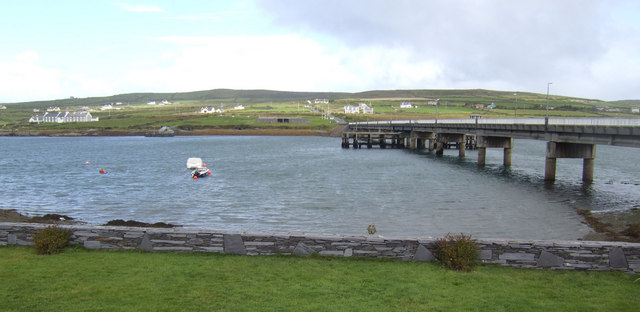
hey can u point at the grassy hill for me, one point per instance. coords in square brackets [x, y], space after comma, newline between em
[132, 115]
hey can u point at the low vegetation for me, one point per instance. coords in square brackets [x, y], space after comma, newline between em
[51, 239]
[90, 280]
[456, 252]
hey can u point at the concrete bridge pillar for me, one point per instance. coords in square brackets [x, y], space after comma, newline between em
[417, 139]
[482, 156]
[557, 150]
[459, 139]
[498, 142]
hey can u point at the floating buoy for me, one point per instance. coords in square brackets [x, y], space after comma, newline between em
[195, 177]
[102, 171]
[87, 163]
[208, 172]
[204, 165]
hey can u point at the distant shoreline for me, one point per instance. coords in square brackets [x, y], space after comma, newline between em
[336, 132]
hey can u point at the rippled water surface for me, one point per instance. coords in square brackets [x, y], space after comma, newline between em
[311, 184]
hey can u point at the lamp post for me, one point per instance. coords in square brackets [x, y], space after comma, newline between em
[548, 84]
[515, 114]
[437, 102]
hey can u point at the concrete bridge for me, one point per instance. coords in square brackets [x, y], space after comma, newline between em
[566, 137]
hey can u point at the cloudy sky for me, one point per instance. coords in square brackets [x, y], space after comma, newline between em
[58, 49]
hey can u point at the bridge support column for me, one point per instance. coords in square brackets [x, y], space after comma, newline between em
[439, 148]
[588, 165]
[432, 144]
[506, 157]
[417, 139]
[482, 156]
[459, 139]
[498, 142]
[557, 150]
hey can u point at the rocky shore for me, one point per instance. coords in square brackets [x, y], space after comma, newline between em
[613, 226]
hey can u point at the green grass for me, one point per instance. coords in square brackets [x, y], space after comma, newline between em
[88, 280]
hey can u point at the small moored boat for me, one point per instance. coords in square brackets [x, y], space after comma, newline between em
[198, 169]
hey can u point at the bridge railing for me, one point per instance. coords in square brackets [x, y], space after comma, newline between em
[575, 121]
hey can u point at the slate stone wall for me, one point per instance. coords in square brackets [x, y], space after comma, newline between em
[561, 255]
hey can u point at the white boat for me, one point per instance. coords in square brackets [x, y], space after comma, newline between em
[198, 169]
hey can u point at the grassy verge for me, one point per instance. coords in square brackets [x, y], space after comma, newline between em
[87, 280]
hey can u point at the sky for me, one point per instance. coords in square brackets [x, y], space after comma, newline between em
[58, 49]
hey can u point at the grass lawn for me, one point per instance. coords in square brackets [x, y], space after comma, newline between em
[89, 280]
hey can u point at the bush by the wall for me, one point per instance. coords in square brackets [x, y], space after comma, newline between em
[51, 239]
[457, 252]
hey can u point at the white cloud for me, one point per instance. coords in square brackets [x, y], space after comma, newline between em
[139, 8]
[23, 78]
[283, 62]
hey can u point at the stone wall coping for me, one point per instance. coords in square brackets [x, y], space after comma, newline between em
[328, 237]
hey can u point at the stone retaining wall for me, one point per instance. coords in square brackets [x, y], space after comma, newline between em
[565, 255]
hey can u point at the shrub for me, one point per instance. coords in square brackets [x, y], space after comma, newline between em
[457, 252]
[51, 239]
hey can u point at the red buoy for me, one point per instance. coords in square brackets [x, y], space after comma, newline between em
[195, 177]
[102, 171]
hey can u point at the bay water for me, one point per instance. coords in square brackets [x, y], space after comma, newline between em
[311, 184]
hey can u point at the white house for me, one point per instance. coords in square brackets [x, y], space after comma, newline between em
[433, 102]
[151, 102]
[365, 108]
[406, 104]
[321, 101]
[361, 108]
[62, 117]
[3, 107]
[352, 110]
[635, 110]
[53, 109]
[210, 110]
[238, 107]
[105, 107]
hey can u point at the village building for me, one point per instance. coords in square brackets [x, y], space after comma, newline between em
[321, 101]
[53, 109]
[62, 117]
[238, 107]
[3, 107]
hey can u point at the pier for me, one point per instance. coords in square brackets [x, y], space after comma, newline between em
[566, 137]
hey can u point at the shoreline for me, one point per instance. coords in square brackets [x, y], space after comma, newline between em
[609, 227]
[335, 132]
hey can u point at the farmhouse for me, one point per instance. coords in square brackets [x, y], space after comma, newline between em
[406, 104]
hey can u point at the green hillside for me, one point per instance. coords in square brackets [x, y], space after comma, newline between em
[130, 113]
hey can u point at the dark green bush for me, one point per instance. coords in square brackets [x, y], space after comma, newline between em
[51, 239]
[457, 252]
